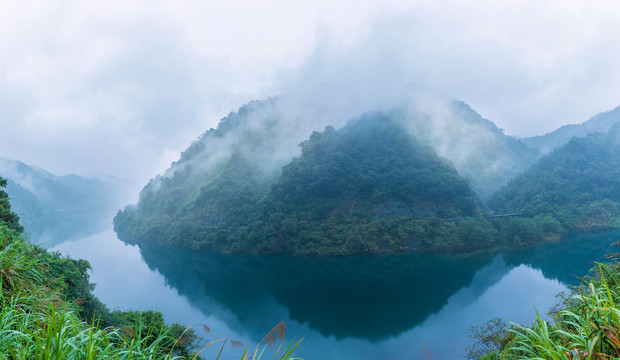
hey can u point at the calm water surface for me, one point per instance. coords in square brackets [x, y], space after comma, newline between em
[394, 307]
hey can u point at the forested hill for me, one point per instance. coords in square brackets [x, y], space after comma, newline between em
[267, 134]
[385, 182]
[600, 123]
[577, 184]
[360, 189]
[369, 187]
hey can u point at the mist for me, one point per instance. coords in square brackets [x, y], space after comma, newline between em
[122, 89]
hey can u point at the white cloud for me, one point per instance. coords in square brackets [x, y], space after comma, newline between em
[115, 86]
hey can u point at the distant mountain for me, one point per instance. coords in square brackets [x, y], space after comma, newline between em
[577, 184]
[555, 139]
[58, 206]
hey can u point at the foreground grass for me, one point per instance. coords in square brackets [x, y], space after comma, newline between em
[588, 327]
[37, 321]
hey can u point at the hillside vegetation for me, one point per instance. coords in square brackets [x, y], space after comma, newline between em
[369, 187]
[366, 188]
[584, 325]
[413, 177]
[48, 310]
[477, 148]
[408, 178]
[577, 185]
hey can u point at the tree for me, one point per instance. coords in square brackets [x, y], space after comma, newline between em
[491, 337]
[6, 215]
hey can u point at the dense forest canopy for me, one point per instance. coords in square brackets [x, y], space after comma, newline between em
[349, 184]
[369, 187]
[578, 184]
[8, 217]
[413, 177]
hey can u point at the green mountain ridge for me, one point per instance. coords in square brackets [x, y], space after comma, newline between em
[349, 185]
[367, 188]
[417, 176]
[602, 122]
[578, 184]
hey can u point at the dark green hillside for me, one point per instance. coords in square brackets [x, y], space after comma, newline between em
[360, 189]
[405, 179]
[211, 191]
[372, 160]
[369, 187]
[8, 217]
[206, 218]
[577, 184]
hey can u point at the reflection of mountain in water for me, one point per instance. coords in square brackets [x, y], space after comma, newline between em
[68, 228]
[363, 297]
[569, 259]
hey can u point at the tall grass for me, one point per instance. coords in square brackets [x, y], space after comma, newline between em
[60, 334]
[587, 328]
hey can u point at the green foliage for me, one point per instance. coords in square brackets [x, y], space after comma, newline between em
[479, 150]
[491, 337]
[577, 186]
[366, 188]
[8, 217]
[36, 322]
[588, 327]
[375, 186]
[361, 189]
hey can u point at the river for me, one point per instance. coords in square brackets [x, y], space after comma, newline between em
[392, 307]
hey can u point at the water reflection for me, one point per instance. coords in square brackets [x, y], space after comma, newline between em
[371, 298]
[410, 306]
[67, 228]
[570, 259]
[364, 297]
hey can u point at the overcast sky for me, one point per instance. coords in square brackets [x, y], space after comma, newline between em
[121, 87]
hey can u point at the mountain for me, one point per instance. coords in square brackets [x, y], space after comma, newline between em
[379, 183]
[359, 189]
[577, 184]
[555, 139]
[369, 187]
[57, 206]
[479, 150]
[302, 288]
